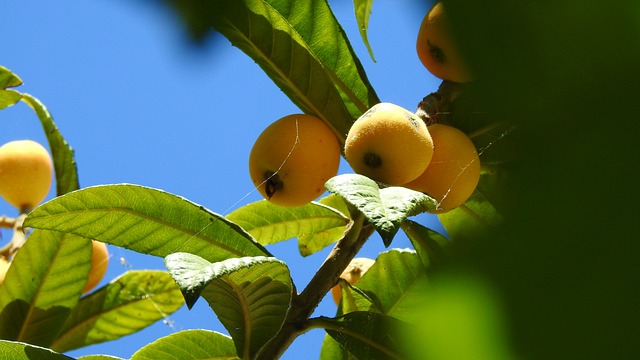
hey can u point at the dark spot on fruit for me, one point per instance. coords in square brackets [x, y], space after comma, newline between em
[372, 160]
[273, 184]
[437, 53]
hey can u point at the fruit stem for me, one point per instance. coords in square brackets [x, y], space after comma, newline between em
[18, 238]
[303, 305]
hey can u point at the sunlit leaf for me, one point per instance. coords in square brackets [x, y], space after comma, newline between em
[394, 286]
[10, 350]
[99, 357]
[368, 335]
[9, 98]
[189, 345]
[313, 242]
[43, 284]
[332, 350]
[269, 223]
[304, 50]
[363, 10]
[385, 208]
[250, 295]
[431, 246]
[8, 79]
[145, 220]
[127, 304]
[63, 159]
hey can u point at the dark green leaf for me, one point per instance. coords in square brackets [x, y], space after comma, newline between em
[43, 284]
[63, 159]
[368, 335]
[9, 98]
[127, 304]
[303, 49]
[250, 295]
[363, 10]
[10, 350]
[8, 79]
[385, 208]
[431, 246]
[269, 223]
[189, 345]
[332, 350]
[313, 242]
[145, 220]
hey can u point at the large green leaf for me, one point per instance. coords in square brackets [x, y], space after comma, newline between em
[311, 243]
[10, 350]
[269, 223]
[8, 79]
[363, 10]
[145, 220]
[127, 304]
[250, 295]
[43, 284]
[385, 208]
[62, 154]
[432, 247]
[332, 350]
[99, 357]
[368, 335]
[189, 345]
[305, 51]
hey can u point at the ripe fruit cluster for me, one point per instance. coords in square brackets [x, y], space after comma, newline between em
[293, 158]
[438, 50]
[391, 145]
[26, 173]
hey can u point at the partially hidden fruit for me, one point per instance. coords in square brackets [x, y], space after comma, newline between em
[25, 173]
[99, 264]
[293, 158]
[4, 267]
[454, 171]
[354, 271]
[437, 49]
[389, 144]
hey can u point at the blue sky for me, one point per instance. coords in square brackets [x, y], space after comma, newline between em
[140, 105]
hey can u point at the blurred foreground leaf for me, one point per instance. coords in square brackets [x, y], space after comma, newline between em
[250, 295]
[145, 220]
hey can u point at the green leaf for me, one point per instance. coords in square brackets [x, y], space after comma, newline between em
[332, 350]
[99, 357]
[8, 79]
[9, 98]
[301, 46]
[43, 284]
[269, 223]
[394, 285]
[145, 220]
[311, 243]
[432, 247]
[250, 295]
[363, 10]
[385, 208]
[127, 304]
[189, 345]
[368, 335]
[10, 350]
[63, 159]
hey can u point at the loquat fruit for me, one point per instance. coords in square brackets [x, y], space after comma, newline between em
[354, 271]
[454, 171]
[99, 264]
[390, 144]
[25, 173]
[293, 158]
[437, 49]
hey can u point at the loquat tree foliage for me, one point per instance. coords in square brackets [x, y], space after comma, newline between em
[522, 252]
